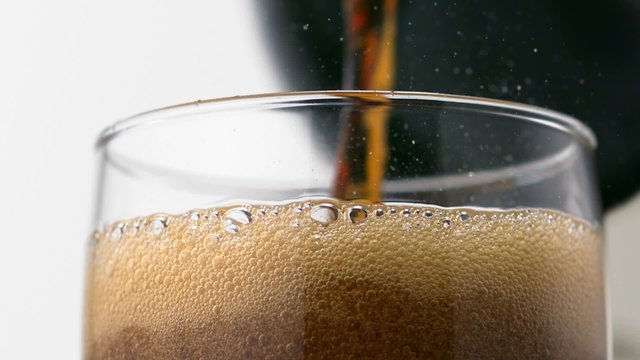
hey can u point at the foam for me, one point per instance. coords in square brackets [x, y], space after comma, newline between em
[463, 283]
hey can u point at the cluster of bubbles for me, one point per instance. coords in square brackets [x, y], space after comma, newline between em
[323, 214]
[322, 277]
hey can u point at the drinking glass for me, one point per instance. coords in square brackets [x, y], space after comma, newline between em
[345, 224]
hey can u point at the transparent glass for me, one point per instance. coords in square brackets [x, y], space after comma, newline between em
[347, 224]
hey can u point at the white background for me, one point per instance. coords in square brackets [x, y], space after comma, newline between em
[70, 68]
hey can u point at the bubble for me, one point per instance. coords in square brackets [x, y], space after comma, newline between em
[94, 238]
[324, 214]
[297, 210]
[446, 223]
[116, 233]
[195, 216]
[428, 213]
[295, 223]
[238, 216]
[290, 348]
[379, 212]
[285, 315]
[406, 213]
[464, 216]
[231, 227]
[407, 351]
[158, 225]
[357, 214]
[393, 211]
[216, 309]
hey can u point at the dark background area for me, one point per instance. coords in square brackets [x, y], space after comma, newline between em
[579, 57]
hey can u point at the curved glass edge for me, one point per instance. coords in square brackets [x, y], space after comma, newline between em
[544, 116]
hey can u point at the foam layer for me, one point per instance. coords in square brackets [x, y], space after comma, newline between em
[347, 280]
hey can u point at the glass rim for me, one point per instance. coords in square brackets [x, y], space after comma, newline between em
[544, 116]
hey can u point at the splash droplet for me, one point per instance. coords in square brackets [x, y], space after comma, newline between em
[357, 214]
[324, 214]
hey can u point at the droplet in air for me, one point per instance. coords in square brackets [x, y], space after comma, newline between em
[305, 27]
[238, 216]
[357, 214]
[158, 225]
[464, 216]
[324, 214]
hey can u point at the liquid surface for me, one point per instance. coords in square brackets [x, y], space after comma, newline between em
[332, 280]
